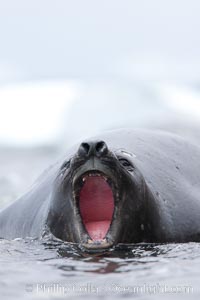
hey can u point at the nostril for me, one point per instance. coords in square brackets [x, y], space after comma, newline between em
[84, 149]
[101, 148]
[87, 149]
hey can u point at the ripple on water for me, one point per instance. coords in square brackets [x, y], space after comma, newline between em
[29, 266]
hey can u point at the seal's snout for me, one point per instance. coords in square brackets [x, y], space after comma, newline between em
[94, 148]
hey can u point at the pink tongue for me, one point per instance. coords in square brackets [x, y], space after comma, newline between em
[96, 206]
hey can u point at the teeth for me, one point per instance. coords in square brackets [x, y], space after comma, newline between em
[89, 241]
[94, 175]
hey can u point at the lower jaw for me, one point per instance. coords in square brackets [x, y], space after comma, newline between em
[96, 246]
[97, 230]
[96, 240]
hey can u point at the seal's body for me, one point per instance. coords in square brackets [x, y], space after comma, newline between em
[125, 186]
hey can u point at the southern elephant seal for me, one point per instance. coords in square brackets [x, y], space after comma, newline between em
[124, 186]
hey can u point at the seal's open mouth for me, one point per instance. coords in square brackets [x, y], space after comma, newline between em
[96, 205]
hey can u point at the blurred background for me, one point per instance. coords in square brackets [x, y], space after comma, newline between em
[71, 69]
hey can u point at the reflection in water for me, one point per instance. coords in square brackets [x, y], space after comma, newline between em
[111, 261]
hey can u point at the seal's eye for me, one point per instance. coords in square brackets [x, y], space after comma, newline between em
[126, 164]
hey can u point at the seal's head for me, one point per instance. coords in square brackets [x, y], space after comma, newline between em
[98, 199]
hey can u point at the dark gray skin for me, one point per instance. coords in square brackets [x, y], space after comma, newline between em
[155, 178]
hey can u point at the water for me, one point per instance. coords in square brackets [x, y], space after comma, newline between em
[50, 269]
[31, 269]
